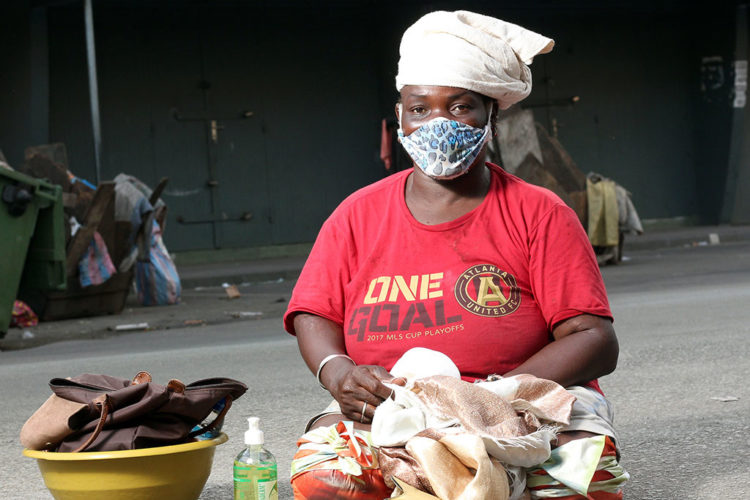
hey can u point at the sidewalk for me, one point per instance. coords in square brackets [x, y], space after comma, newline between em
[265, 285]
[288, 268]
[654, 239]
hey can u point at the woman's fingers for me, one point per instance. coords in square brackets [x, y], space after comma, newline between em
[363, 391]
[372, 378]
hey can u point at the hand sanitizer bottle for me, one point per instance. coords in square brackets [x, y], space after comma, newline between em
[255, 467]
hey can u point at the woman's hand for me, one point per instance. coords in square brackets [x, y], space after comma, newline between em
[358, 389]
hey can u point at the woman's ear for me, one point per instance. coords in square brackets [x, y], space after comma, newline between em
[398, 113]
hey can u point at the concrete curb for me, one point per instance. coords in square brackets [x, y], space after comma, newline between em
[685, 237]
[194, 275]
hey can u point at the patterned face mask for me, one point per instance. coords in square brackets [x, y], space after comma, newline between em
[445, 149]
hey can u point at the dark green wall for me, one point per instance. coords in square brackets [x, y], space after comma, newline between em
[15, 79]
[318, 77]
[312, 87]
[642, 118]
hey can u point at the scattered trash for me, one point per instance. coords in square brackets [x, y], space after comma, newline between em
[713, 238]
[258, 283]
[130, 327]
[245, 314]
[74, 225]
[232, 291]
[725, 399]
[22, 315]
[194, 322]
[27, 334]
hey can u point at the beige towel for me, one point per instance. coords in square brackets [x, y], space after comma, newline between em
[603, 222]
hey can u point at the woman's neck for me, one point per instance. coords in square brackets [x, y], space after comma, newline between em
[433, 201]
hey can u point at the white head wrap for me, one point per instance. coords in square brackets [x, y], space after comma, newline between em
[470, 51]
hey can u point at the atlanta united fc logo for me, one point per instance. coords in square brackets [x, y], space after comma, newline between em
[486, 290]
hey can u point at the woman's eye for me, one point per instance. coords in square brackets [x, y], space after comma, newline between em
[418, 110]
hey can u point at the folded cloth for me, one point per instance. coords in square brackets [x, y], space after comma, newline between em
[470, 51]
[337, 461]
[582, 468]
[420, 362]
[603, 216]
[517, 425]
[629, 222]
[462, 459]
[516, 429]
[515, 418]
[591, 412]
[428, 434]
[95, 267]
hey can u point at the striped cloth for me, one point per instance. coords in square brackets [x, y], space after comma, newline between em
[156, 279]
[593, 472]
[337, 462]
[95, 267]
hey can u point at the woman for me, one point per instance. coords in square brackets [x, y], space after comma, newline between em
[455, 255]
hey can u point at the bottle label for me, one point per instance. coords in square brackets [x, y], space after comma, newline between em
[254, 483]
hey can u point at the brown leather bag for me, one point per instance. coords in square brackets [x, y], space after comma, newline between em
[104, 413]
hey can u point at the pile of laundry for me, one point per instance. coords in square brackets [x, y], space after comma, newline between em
[441, 437]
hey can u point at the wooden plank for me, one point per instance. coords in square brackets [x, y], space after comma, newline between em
[107, 225]
[95, 300]
[161, 213]
[156, 193]
[80, 242]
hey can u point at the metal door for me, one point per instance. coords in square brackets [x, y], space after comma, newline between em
[207, 132]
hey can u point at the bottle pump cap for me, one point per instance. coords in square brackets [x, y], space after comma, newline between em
[253, 435]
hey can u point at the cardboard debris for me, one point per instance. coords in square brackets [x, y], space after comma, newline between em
[232, 291]
[194, 322]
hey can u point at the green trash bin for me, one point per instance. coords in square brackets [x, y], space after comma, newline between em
[32, 238]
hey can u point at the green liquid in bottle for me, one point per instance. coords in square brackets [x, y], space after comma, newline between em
[255, 476]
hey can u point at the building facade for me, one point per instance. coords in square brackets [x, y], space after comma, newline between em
[265, 114]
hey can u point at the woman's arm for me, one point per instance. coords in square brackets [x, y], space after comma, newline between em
[585, 348]
[350, 385]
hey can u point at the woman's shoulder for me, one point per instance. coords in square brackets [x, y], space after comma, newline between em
[525, 203]
[512, 186]
[375, 194]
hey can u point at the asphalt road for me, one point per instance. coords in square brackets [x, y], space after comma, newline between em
[680, 390]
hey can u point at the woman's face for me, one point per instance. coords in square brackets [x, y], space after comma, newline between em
[422, 103]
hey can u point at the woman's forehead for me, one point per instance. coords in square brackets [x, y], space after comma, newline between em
[437, 91]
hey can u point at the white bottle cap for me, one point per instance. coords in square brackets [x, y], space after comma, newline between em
[253, 434]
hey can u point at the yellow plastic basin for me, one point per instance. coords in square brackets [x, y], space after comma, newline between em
[176, 472]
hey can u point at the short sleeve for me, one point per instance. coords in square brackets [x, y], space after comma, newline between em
[320, 287]
[564, 274]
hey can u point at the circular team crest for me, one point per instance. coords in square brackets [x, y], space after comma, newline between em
[486, 290]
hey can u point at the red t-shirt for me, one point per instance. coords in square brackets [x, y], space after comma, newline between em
[485, 289]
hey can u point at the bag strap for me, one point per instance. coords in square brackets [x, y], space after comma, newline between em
[104, 408]
[219, 418]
